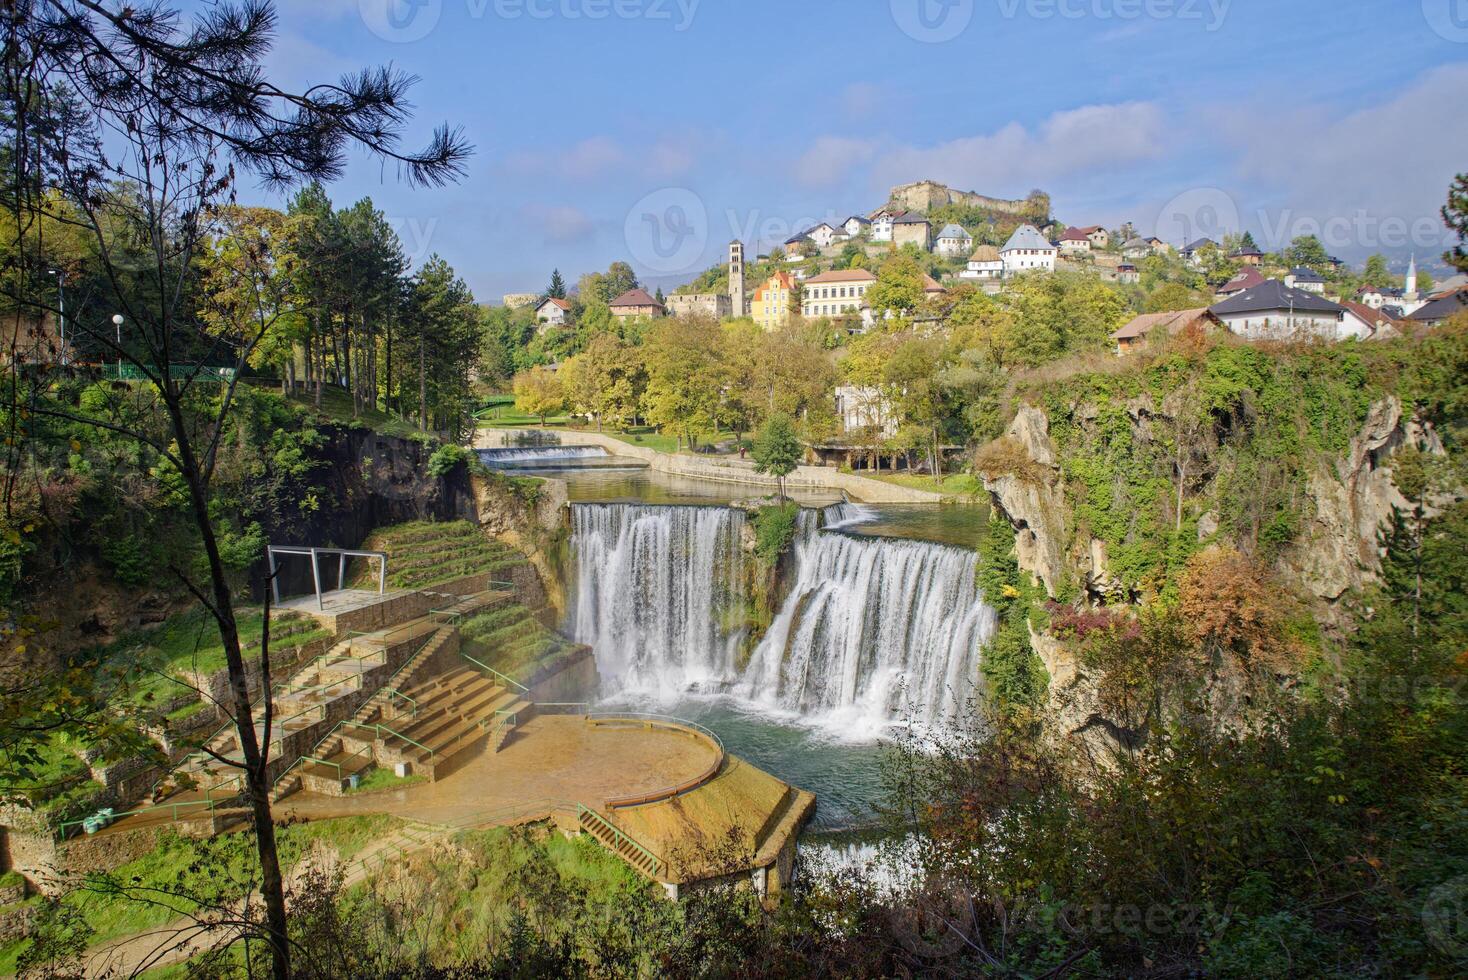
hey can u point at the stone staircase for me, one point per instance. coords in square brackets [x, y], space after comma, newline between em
[432, 722]
[618, 842]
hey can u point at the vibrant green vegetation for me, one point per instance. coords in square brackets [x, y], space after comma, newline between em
[423, 553]
[774, 529]
[513, 641]
[380, 779]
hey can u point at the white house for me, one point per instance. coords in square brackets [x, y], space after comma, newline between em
[1274, 311]
[1128, 274]
[1190, 251]
[985, 263]
[864, 409]
[1306, 279]
[855, 226]
[1026, 251]
[552, 313]
[825, 235]
[836, 293]
[1075, 241]
[882, 224]
[953, 241]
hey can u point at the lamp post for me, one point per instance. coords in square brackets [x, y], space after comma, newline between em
[117, 324]
[60, 275]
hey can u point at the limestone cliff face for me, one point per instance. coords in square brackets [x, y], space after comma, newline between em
[1021, 471]
[925, 195]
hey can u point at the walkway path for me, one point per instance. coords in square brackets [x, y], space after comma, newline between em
[721, 469]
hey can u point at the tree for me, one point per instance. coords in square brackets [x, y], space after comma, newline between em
[899, 287]
[686, 375]
[1455, 216]
[1307, 250]
[776, 449]
[539, 392]
[1376, 273]
[1170, 296]
[182, 110]
[557, 287]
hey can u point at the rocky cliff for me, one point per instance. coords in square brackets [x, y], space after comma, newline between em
[925, 195]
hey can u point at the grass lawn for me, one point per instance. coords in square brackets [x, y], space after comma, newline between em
[954, 484]
[336, 406]
[381, 778]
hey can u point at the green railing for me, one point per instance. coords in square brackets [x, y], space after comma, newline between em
[588, 816]
[680, 725]
[394, 694]
[400, 735]
[209, 802]
[563, 707]
[508, 681]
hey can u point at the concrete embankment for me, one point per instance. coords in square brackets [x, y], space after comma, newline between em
[720, 469]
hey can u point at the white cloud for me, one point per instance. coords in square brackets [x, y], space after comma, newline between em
[830, 159]
[559, 224]
[1068, 142]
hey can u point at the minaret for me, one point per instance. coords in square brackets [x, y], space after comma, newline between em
[1411, 291]
[736, 277]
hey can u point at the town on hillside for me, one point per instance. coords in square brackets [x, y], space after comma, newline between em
[931, 257]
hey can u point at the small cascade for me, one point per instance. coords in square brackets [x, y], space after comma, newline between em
[839, 516]
[654, 588]
[874, 630]
[525, 456]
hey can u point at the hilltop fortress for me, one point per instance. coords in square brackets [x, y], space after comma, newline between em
[926, 195]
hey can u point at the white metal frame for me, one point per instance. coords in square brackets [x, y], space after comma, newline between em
[315, 554]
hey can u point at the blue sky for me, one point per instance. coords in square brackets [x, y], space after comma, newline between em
[599, 123]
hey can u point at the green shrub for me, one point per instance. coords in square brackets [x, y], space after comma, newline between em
[447, 458]
[774, 529]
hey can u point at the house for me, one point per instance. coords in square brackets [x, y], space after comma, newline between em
[1248, 255]
[1135, 333]
[1442, 307]
[825, 235]
[717, 305]
[836, 293]
[1135, 248]
[863, 409]
[932, 288]
[1274, 311]
[1128, 274]
[1368, 323]
[1190, 252]
[1372, 296]
[1157, 245]
[912, 228]
[1074, 241]
[771, 305]
[855, 226]
[954, 241]
[1306, 279]
[985, 263]
[882, 224]
[552, 312]
[635, 303]
[1027, 250]
[1245, 279]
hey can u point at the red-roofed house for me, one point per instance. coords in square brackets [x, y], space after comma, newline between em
[553, 312]
[634, 303]
[1074, 241]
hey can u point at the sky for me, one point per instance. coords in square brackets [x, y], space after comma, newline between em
[655, 131]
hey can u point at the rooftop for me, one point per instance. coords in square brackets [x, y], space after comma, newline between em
[1026, 236]
[1273, 295]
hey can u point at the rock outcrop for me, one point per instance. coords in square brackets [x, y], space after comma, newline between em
[925, 195]
[1021, 472]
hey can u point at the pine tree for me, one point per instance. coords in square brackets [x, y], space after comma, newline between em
[557, 288]
[1455, 214]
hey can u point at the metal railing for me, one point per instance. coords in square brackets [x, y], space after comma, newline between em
[508, 681]
[589, 818]
[394, 694]
[668, 722]
[563, 707]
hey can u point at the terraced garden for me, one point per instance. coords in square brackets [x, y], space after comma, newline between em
[423, 554]
[514, 642]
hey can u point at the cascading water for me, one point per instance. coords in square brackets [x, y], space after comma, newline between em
[654, 587]
[539, 455]
[874, 630]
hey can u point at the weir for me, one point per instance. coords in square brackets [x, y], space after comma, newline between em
[539, 455]
[872, 631]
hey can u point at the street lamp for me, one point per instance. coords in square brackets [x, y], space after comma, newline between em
[117, 324]
[60, 275]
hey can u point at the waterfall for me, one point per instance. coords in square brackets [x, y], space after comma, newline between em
[536, 455]
[874, 630]
[654, 587]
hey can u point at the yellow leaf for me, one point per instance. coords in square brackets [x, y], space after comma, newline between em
[76, 445]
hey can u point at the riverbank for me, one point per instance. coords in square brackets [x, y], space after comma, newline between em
[727, 470]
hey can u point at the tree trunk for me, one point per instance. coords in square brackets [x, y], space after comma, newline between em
[272, 887]
[423, 385]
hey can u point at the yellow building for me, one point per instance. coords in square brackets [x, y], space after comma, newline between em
[771, 303]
